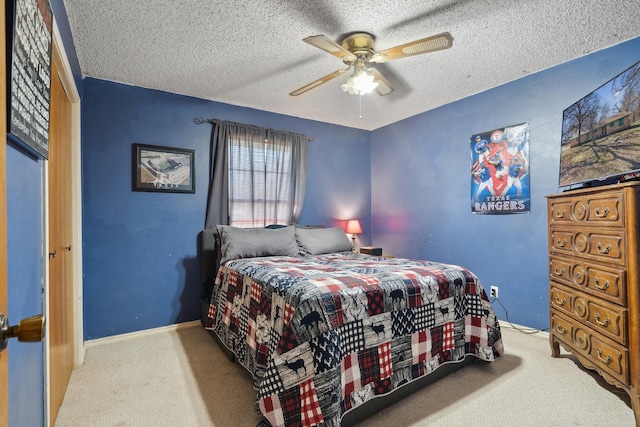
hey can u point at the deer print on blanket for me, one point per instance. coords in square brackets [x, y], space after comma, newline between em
[354, 305]
[378, 331]
[295, 366]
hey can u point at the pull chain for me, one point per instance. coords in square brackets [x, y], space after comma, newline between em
[360, 102]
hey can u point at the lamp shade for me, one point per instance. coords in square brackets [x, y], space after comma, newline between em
[353, 227]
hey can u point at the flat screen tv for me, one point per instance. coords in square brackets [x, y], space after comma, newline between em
[601, 134]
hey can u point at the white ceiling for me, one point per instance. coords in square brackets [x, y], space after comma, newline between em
[251, 53]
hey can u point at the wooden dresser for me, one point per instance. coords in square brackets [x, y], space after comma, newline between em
[594, 287]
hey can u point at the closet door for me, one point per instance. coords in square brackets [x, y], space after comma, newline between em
[60, 308]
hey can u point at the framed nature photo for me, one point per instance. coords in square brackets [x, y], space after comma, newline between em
[163, 169]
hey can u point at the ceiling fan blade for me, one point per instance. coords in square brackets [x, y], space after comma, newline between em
[318, 82]
[384, 87]
[329, 46]
[418, 47]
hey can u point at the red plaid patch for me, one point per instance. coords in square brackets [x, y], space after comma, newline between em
[443, 288]
[290, 402]
[375, 300]
[436, 336]
[270, 408]
[475, 330]
[212, 311]
[420, 346]
[311, 413]
[288, 341]
[227, 313]
[384, 355]
[369, 365]
[414, 296]
[288, 313]
[256, 292]
[448, 337]
[265, 306]
[262, 354]
[383, 386]
[350, 377]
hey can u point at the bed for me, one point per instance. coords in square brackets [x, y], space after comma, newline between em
[324, 331]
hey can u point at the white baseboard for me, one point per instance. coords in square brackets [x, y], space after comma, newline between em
[137, 334]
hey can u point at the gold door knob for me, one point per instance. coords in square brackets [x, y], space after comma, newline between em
[30, 329]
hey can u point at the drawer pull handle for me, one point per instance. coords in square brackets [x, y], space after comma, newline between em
[578, 276]
[605, 323]
[605, 250]
[561, 330]
[606, 360]
[560, 243]
[603, 214]
[602, 287]
[561, 214]
[559, 301]
[559, 271]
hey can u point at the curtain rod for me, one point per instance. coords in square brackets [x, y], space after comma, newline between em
[200, 120]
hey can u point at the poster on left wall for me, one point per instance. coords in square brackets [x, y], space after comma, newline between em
[29, 45]
[500, 171]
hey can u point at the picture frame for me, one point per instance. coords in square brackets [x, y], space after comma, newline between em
[29, 46]
[163, 169]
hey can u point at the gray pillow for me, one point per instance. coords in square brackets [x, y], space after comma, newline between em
[314, 241]
[236, 242]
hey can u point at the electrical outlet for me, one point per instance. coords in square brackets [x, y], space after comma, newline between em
[494, 292]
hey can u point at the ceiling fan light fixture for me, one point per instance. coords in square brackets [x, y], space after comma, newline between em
[360, 83]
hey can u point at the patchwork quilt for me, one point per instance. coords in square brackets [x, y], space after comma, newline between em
[324, 334]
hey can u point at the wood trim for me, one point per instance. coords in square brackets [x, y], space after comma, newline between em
[69, 85]
[4, 368]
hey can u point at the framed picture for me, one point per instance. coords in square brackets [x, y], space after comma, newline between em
[163, 169]
[29, 42]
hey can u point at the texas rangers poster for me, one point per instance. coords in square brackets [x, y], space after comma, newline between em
[500, 171]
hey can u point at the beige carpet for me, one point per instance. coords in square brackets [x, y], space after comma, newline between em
[181, 378]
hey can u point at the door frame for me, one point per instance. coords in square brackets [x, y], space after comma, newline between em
[4, 366]
[69, 85]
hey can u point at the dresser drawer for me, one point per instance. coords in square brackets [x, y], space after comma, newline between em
[607, 246]
[561, 327]
[610, 357]
[588, 209]
[609, 320]
[600, 281]
[607, 283]
[560, 269]
[560, 299]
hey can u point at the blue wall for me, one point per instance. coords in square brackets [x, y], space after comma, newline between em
[139, 249]
[408, 182]
[424, 211]
[24, 265]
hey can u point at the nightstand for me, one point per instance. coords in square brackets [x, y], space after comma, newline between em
[370, 250]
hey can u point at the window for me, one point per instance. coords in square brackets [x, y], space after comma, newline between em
[257, 175]
[260, 183]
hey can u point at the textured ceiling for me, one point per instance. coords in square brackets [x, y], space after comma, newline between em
[251, 53]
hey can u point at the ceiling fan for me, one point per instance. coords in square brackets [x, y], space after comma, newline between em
[357, 49]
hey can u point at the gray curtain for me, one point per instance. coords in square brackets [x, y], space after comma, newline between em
[222, 135]
[218, 197]
[300, 148]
